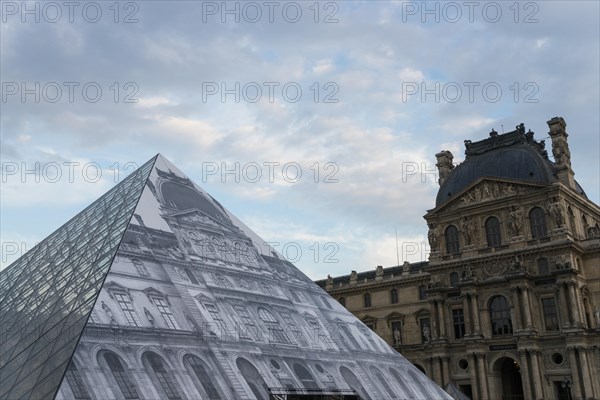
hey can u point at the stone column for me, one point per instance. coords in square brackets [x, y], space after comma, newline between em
[437, 374]
[527, 308]
[434, 315]
[473, 375]
[446, 368]
[563, 306]
[525, 375]
[467, 315]
[483, 379]
[475, 310]
[585, 369]
[536, 375]
[574, 301]
[517, 302]
[575, 371]
[442, 321]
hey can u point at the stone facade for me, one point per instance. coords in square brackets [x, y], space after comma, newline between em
[508, 305]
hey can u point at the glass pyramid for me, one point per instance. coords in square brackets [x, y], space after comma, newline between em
[194, 306]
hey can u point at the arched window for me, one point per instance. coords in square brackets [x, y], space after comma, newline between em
[255, 381]
[384, 382]
[537, 220]
[367, 299]
[500, 316]
[121, 376]
[308, 381]
[200, 371]
[76, 382]
[492, 232]
[454, 279]
[408, 392]
[163, 377]
[585, 226]
[353, 382]
[276, 332]
[452, 241]
[394, 296]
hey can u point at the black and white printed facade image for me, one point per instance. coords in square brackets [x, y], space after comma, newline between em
[196, 306]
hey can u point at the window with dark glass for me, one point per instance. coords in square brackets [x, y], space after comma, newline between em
[458, 319]
[343, 301]
[165, 311]
[276, 332]
[248, 330]
[537, 220]
[127, 307]
[191, 276]
[543, 267]
[454, 279]
[492, 232]
[394, 296]
[164, 378]
[215, 315]
[550, 313]
[121, 377]
[140, 267]
[204, 377]
[422, 294]
[452, 241]
[367, 299]
[76, 382]
[500, 316]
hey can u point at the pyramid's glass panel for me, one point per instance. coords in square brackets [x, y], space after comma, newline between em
[47, 294]
[197, 306]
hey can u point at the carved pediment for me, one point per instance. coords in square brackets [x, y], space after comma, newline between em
[368, 319]
[151, 292]
[485, 190]
[113, 286]
[396, 316]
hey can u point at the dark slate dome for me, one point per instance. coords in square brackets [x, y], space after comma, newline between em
[514, 155]
[519, 162]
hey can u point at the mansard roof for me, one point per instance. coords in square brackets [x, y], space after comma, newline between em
[513, 155]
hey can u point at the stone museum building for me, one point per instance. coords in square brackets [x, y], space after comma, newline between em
[157, 292]
[508, 305]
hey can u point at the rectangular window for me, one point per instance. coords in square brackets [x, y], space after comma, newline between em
[248, 330]
[422, 294]
[125, 303]
[214, 314]
[165, 311]
[458, 320]
[394, 296]
[550, 314]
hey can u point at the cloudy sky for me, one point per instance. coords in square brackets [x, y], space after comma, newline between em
[316, 123]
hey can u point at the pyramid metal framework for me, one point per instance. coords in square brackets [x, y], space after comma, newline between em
[156, 291]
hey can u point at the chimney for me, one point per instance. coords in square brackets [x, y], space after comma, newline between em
[444, 165]
[560, 151]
